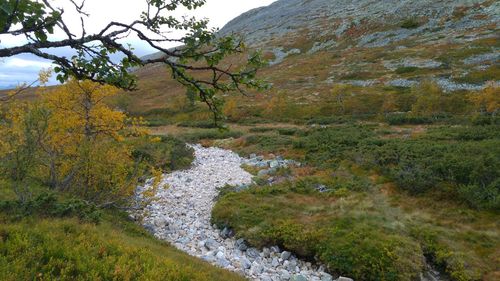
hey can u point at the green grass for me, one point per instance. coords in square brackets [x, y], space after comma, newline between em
[349, 239]
[53, 235]
[410, 24]
[167, 154]
[392, 200]
[406, 69]
[210, 134]
[116, 249]
[56, 237]
[492, 73]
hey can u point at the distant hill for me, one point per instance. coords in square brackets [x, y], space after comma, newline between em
[366, 42]
[312, 45]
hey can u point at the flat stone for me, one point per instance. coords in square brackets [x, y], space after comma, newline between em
[326, 277]
[344, 279]
[253, 253]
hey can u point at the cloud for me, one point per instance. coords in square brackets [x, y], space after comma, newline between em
[25, 63]
[21, 69]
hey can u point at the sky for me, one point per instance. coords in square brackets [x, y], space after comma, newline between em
[25, 67]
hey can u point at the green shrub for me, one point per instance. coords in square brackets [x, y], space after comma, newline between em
[168, 154]
[205, 124]
[410, 23]
[481, 197]
[297, 217]
[449, 261]
[261, 130]
[211, 134]
[268, 142]
[64, 249]
[484, 120]
[327, 120]
[406, 69]
[48, 205]
[407, 119]
[288, 131]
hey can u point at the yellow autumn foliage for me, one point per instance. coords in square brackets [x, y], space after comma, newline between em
[487, 100]
[72, 140]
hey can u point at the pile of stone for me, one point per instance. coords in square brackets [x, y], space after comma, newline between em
[269, 166]
[180, 214]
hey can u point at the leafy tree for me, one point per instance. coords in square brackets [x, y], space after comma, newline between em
[390, 104]
[72, 141]
[339, 95]
[231, 110]
[430, 99]
[201, 52]
[487, 101]
[277, 106]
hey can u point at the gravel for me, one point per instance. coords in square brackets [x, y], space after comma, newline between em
[180, 214]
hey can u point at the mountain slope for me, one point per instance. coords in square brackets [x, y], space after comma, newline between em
[385, 35]
[316, 45]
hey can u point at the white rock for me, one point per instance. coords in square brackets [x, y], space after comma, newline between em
[181, 216]
[344, 279]
[285, 255]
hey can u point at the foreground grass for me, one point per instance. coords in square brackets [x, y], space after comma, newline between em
[116, 249]
[58, 236]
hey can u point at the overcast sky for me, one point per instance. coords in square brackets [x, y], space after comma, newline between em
[25, 67]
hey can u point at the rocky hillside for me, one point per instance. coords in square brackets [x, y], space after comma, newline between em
[367, 42]
[366, 45]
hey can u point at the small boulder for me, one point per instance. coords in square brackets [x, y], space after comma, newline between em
[211, 244]
[274, 164]
[262, 173]
[245, 263]
[275, 249]
[285, 275]
[226, 233]
[285, 255]
[326, 277]
[292, 265]
[253, 253]
[241, 245]
[257, 268]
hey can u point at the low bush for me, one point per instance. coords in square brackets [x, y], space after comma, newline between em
[48, 205]
[211, 134]
[406, 69]
[410, 23]
[261, 130]
[407, 119]
[65, 249]
[297, 217]
[420, 165]
[205, 124]
[451, 262]
[288, 131]
[327, 120]
[484, 120]
[168, 154]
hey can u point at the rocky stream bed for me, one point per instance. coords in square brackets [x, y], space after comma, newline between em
[180, 214]
[181, 209]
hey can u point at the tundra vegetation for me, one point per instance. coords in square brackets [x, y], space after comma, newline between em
[392, 178]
